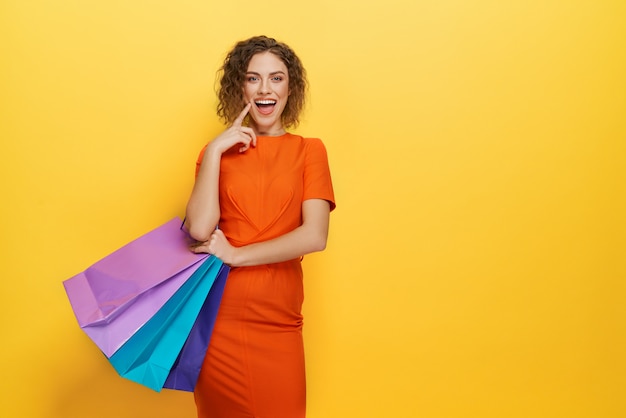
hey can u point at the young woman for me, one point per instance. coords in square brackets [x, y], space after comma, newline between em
[261, 201]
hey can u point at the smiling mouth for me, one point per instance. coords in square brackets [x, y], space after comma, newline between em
[265, 106]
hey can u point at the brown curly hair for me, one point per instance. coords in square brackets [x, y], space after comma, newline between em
[233, 72]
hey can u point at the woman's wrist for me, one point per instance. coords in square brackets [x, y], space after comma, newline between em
[236, 257]
[212, 152]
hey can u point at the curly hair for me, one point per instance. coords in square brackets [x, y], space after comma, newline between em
[233, 72]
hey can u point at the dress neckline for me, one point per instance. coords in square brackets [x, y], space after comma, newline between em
[274, 136]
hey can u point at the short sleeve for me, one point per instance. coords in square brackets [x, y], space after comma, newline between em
[200, 158]
[317, 180]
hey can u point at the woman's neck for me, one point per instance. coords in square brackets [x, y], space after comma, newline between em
[268, 131]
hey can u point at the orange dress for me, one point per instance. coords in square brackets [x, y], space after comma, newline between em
[254, 366]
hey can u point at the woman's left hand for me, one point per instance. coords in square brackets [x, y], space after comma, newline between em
[218, 246]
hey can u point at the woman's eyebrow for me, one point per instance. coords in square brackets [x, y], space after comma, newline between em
[272, 73]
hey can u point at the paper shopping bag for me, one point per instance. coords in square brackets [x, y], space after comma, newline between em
[184, 374]
[149, 355]
[114, 297]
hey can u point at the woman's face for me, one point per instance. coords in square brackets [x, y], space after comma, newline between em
[267, 87]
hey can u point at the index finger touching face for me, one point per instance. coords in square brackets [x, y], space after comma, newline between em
[242, 115]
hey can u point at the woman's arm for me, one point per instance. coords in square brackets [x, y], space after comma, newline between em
[203, 208]
[309, 237]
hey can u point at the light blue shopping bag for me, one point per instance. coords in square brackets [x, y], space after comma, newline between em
[148, 356]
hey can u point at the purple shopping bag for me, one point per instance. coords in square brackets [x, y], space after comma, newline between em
[135, 280]
[184, 374]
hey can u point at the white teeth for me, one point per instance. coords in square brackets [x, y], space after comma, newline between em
[265, 102]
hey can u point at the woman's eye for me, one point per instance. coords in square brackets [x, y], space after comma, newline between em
[251, 79]
[277, 78]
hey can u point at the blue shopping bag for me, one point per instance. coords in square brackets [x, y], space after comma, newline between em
[149, 355]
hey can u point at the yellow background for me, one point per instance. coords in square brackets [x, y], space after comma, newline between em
[475, 265]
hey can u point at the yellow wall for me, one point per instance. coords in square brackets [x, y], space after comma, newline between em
[476, 260]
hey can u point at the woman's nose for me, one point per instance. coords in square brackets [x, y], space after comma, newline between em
[264, 87]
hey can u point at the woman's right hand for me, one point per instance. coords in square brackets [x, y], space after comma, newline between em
[236, 134]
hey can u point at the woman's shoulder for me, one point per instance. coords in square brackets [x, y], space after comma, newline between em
[307, 142]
